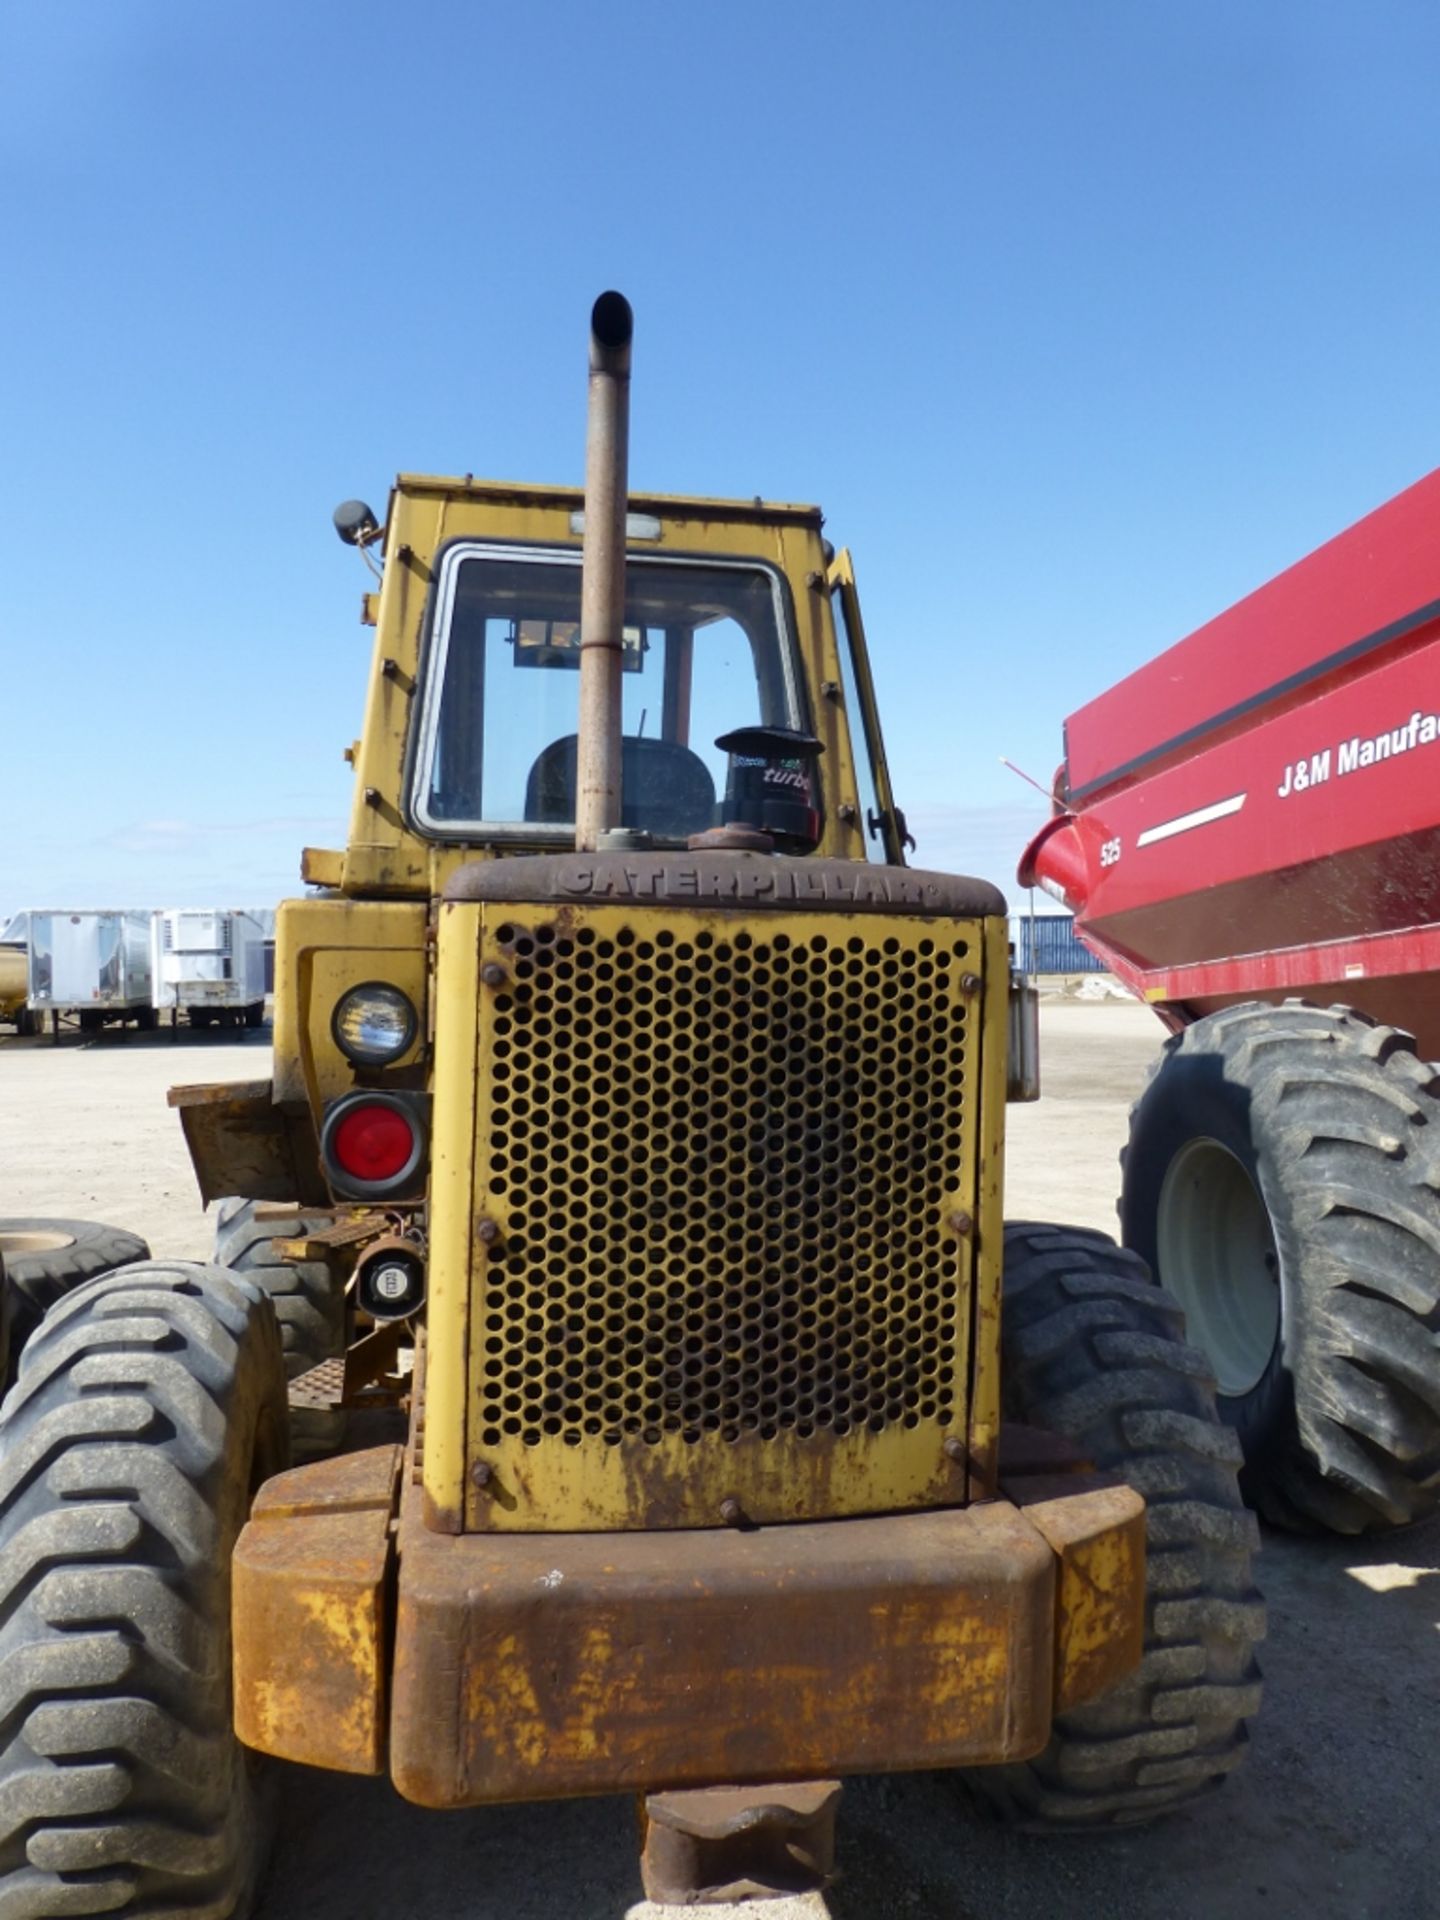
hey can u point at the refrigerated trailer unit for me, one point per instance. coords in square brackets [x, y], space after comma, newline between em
[92, 965]
[210, 964]
[1247, 830]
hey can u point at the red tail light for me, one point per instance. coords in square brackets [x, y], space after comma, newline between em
[372, 1145]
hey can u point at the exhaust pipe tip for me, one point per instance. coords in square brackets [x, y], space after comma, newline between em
[612, 324]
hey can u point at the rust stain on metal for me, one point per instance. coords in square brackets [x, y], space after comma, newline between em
[239, 1140]
[534, 1665]
[713, 1844]
[653, 1491]
[350, 1230]
[350, 1483]
[309, 1582]
[1095, 1525]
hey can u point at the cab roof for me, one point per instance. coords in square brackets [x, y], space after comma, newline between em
[676, 506]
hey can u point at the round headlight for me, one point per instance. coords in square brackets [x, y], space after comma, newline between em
[374, 1024]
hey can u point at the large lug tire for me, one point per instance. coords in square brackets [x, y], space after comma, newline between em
[7, 1316]
[1282, 1180]
[149, 1407]
[1093, 1350]
[309, 1305]
[45, 1259]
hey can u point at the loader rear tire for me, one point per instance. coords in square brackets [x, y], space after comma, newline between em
[309, 1305]
[148, 1409]
[45, 1259]
[1297, 1148]
[7, 1315]
[1093, 1350]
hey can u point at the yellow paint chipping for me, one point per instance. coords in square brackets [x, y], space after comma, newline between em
[310, 1577]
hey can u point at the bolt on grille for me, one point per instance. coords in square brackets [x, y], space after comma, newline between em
[723, 1166]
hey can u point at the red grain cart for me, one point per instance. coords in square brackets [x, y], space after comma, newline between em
[1248, 832]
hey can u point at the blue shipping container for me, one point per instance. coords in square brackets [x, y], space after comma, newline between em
[1048, 943]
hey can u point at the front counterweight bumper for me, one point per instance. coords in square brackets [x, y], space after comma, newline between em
[534, 1666]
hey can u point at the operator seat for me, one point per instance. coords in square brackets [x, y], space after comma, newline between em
[666, 789]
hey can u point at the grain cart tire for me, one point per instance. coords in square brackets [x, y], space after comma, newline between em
[1282, 1180]
[148, 1408]
[309, 1305]
[1092, 1349]
[44, 1259]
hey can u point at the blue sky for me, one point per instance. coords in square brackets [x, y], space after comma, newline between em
[1080, 320]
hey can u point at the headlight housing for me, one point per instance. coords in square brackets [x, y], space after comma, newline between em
[374, 1024]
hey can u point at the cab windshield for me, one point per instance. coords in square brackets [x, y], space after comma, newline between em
[707, 648]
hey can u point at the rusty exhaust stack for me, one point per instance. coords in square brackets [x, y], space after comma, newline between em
[602, 591]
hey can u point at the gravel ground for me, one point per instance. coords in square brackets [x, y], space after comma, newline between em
[1333, 1815]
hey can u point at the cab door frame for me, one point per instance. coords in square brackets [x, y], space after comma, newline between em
[850, 630]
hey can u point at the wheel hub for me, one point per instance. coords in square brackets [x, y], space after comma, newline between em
[1217, 1255]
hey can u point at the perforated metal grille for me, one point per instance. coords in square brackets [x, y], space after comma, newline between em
[723, 1168]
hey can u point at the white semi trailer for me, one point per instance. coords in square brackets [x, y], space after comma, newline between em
[209, 963]
[92, 965]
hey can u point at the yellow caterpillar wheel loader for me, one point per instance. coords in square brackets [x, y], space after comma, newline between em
[618, 1250]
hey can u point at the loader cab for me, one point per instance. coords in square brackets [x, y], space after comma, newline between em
[738, 615]
[709, 646]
